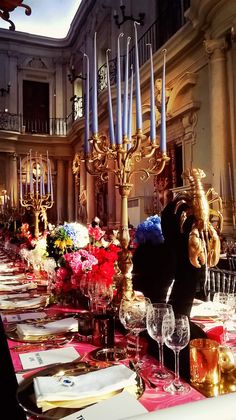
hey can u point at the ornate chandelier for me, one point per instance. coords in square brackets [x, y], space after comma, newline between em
[7, 6]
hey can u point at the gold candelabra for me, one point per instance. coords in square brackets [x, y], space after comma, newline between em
[123, 148]
[36, 196]
[124, 156]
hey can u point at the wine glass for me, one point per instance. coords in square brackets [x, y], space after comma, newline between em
[102, 293]
[155, 315]
[132, 314]
[224, 307]
[176, 334]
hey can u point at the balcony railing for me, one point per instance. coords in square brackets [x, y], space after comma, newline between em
[50, 126]
[170, 20]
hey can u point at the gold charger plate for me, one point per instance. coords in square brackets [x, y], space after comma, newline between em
[26, 397]
[110, 354]
[61, 338]
[22, 309]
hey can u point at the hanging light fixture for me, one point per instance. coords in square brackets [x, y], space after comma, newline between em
[7, 6]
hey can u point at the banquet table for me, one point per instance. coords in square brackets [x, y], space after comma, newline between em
[12, 371]
[152, 399]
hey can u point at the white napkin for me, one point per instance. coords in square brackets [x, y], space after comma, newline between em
[21, 317]
[15, 287]
[204, 309]
[114, 408]
[30, 303]
[19, 276]
[14, 295]
[52, 391]
[33, 360]
[54, 327]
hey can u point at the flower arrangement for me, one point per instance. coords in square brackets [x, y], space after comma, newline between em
[104, 270]
[68, 276]
[66, 238]
[149, 231]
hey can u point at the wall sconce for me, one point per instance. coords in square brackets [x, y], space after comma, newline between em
[6, 91]
[8, 6]
[72, 76]
[124, 17]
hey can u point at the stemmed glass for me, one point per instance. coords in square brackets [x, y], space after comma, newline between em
[101, 293]
[132, 314]
[176, 334]
[155, 315]
[225, 307]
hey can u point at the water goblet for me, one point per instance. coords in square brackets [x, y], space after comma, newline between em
[224, 307]
[132, 314]
[176, 334]
[155, 315]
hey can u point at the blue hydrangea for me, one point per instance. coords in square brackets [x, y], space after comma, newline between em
[149, 231]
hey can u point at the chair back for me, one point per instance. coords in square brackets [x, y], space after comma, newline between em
[219, 281]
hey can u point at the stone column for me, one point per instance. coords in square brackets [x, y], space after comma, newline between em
[220, 119]
[70, 193]
[60, 191]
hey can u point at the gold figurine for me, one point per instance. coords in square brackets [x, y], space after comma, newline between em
[204, 242]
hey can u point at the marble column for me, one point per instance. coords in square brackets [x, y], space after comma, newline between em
[220, 120]
[70, 193]
[60, 191]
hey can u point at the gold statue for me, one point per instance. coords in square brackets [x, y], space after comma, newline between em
[204, 242]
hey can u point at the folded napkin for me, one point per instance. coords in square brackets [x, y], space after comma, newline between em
[16, 287]
[78, 391]
[20, 276]
[29, 303]
[54, 327]
[14, 296]
[204, 309]
[215, 333]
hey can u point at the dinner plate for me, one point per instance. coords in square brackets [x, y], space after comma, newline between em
[59, 338]
[26, 397]
[24, 308]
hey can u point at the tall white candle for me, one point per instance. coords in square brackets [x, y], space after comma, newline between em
[51, 186]
[48, 175]
[110, 110]
[137, 78]
[26, 174]
[37, 177]
[31, 174]
[95, 91]
[41, 176]
[130, 107]
[152, 100]
[118, 99]
[87, 132]
[21, 195]
[126, 90]
[163, 106]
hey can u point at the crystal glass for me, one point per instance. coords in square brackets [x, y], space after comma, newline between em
[155, 315]
[225, 308]
[176, 334]
[132, 314]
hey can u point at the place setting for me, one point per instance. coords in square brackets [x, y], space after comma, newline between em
[50, 332]
[62, 389]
